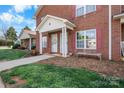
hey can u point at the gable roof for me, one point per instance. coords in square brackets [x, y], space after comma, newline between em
[65, 21]
[28, 32]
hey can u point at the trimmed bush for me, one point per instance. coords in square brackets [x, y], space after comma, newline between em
[16, 46]
[6, 43]
[33, 47]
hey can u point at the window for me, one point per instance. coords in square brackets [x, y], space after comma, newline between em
[90, 8]
[84, 9]
[44, 42]
[79, 10]
[86, 39]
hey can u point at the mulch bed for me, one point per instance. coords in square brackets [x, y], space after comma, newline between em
[105, 67]
[18, 82]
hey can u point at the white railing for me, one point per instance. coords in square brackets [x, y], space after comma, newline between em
[122, 47]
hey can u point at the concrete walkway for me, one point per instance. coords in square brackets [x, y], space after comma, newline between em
[1, 83]
[19, 62]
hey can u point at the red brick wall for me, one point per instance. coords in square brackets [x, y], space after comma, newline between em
[96, 20]
[122, 8]
[64, 11]
[116, 34]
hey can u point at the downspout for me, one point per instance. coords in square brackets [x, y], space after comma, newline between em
[110, 33]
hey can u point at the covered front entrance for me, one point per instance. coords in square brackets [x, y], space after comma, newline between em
[122, 40]
[56, 43]
[120, 19]
[27, 39]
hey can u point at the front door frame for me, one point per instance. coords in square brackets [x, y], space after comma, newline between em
[54, 48]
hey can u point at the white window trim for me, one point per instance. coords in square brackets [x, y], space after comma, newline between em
[84, 11]
[85, 40]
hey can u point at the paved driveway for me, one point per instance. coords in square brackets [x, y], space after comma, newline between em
[19, 62]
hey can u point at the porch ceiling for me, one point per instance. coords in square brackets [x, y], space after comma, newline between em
[50, 23]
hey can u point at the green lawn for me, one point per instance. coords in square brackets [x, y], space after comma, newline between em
[41, 75]
[11, 54]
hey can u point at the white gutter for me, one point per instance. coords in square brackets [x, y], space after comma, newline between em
[110, 33]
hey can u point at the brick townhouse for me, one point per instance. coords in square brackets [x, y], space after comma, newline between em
[68, 29]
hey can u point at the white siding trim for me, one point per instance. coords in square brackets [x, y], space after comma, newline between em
[40, 41]
[110, 34]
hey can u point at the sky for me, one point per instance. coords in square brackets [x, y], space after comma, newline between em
[17, 16]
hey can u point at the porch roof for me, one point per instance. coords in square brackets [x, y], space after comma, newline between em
[66, 22]
[26, 34]
[118, 16]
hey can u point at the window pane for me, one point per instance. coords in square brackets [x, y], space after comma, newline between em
[80, 44]
[90, 8]
[80, 39]
[80, 10]
[91, 38]
[90, 34]
[80, 35]
[91, 43]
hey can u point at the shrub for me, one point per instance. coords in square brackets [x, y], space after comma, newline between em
[22, 48]
[33, 47]
[16, 46]
[6, 43]
[9, 43]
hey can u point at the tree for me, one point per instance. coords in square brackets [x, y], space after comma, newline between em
[4, 31]
[26, 28]
[11, 34]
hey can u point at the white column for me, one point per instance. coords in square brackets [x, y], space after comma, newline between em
[40, 42]
[29, 43]
[64, 42]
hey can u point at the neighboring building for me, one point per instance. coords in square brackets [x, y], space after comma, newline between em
[66, 29]
[27, 39]
[2, 38]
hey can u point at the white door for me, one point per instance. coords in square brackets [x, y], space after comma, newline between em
[54, 43]
[61, 42]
